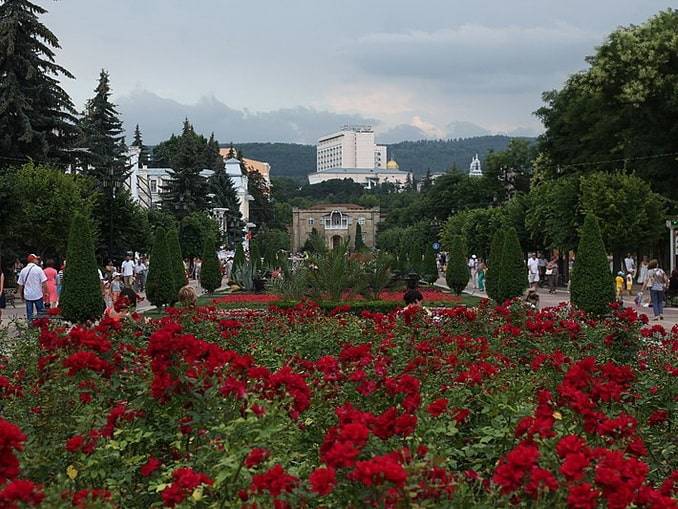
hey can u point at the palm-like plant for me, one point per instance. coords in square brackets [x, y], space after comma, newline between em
[333, 272]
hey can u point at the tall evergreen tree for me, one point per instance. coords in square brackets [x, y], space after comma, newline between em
[429, 266]
[37, 117]
[592, 287]
[261, 209]
[160, 285]
[186, 190]
[457, 273]
[210, 275]
[512, 269]
[493, 265]
[213, 159]
[81, 297]
[138, 142]
[359, 242]
[176, 260]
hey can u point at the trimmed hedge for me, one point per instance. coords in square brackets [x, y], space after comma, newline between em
[493, 264]
[210, 275]
[512, 269]
[160, 284]
[176, 259]
[457, 273]
[81, 298]
[592, 287]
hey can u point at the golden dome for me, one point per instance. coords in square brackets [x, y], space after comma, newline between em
[392, 165]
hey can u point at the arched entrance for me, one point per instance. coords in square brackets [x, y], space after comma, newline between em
[336, 241]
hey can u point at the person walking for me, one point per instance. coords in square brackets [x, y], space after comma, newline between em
[630, 265]
[128, 271]
[542, 268]
[657, 282]
[473, 269]
[533, 271]
[642, 271]
[140, 274]
[552, 273]
[2, 292]
[32, 285]
[52, 297]
[482, 269]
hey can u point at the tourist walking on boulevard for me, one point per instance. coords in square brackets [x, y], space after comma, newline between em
[51, 274]
[656, 281]
[642, 271]
[140, 274]
[128, 271]
[32, 286]
[542, 269]
[551, 273]
[630, 265]
[482, 269]
[2, 292]
[533, 271]
[473, 269]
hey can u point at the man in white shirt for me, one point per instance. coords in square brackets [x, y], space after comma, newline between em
[473, 269]
[140, 273]
[630, 264]
[533, 271]
[32, 286]
[128, 271]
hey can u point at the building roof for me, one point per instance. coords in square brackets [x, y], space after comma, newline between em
[361, 171]
[320, 206]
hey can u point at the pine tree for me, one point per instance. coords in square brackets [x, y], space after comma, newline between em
[429, 266]
[261, 209]
[139, 143]
[210, 275]
[214, 160]
[457, 273]
[592, 287]
[186, 190]
[359, 243]
[174, 248]
[81, 298]
[102, 136]
[160, 283]
[37, 117]
[493, 264]
[512, 270]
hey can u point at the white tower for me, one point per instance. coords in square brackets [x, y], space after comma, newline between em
[475, 170]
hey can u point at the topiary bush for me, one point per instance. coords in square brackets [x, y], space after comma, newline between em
[592, 287]
[238, 258]
[512, 269]
[161, 281]
[81, 298]
[359, 243]
[429, 266]
[457, 273]
[176, 259]
[210, 275]
[493, 263]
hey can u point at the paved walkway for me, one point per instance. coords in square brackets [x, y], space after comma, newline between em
[562, 295]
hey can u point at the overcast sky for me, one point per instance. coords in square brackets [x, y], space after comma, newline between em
[264, 70]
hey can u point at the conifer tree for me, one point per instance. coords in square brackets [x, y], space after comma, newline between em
[457, 273]
[186, 190]
[429, 266]
[210, 275]
[359, 243]
[138, 142]
[160, 283]
[81, 298]
[176, 258]
[37, 117]
[592, 287]
[239, 258]
[493, 265]
[512, 269]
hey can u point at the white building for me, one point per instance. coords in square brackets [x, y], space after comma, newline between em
[367, 177]
[475, 170]
[351, 147]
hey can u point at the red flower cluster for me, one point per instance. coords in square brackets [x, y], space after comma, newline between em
[184, 481]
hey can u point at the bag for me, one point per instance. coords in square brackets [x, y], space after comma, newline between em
[549, 272]
[23, 286]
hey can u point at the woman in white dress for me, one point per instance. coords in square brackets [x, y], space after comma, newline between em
[642, 271]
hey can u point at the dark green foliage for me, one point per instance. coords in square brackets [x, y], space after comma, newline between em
[81, 298]
[239, 258]
[457, 273]
[315, 243]
[429, 266]
[123, 225]
[512, 269]
[37, 117]
[174, 248]
[193, 230]
[592, 287]
[261, 209]
[144, 158]
[269, 244]
[160, 283]
[210, 275]
[493, 265]
[359, 243]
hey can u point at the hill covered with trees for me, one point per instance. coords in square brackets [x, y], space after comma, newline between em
[294, 160]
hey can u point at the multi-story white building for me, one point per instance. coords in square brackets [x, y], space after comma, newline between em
[351, 147]
[475, 169]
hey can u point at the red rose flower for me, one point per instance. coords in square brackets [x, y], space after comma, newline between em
[323, 480]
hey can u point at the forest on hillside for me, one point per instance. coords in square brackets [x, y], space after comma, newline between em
[297, 161]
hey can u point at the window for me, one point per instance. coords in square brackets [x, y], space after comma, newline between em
[154, 186]
[311, 220]
[361, 220]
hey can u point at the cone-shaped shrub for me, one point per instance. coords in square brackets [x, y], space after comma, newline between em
[81, 298]
[359, 243]
[457, 273]
[512, 269]
[429, 266]
[493, 263]
[176, 259]
[161, 280]
[592, 287]
[238, 258]
[210, 275]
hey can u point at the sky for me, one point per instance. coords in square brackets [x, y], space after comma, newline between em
[294, 70]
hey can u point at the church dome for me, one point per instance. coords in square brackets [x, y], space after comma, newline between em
[392, 165]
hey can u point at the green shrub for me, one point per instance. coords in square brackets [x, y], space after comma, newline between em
[160, 283]
[333, 272]
[512, 269]
[359, 243]
[457, 274]
[592, 287]
[378, 273]
[429, 266]
[493, 263]
[177, 261]
[210, 275]
[81, 298]
[238, 258]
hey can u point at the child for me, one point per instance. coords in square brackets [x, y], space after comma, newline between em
[188, 296]
[629, 283]
[116, 286]
[619, 284]
[532, 298]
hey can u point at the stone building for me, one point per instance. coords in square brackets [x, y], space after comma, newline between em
[335, 222]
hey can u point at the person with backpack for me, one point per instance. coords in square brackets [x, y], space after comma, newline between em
[32, 285]
[657, 282]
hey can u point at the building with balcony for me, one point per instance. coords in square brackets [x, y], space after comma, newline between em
[336, 223]
[351, 147]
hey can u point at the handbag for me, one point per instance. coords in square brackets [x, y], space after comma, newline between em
[549, 272]
[23, 286]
